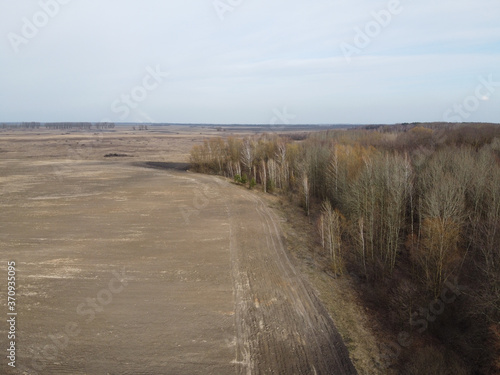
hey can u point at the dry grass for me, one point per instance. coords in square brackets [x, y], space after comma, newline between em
[352, 320]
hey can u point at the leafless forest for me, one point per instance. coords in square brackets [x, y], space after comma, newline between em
[411, 213]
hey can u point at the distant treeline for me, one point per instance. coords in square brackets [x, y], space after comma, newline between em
[409, 210]
[59, 125]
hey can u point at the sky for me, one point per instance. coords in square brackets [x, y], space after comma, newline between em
[250, 61]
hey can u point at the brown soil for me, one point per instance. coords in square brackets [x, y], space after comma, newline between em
[125, 267]
[355, 323]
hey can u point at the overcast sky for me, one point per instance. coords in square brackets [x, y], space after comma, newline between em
[250, 61]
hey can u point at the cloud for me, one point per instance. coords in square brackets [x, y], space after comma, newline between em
[264, 55]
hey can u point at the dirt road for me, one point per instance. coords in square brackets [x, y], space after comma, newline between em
[282, 327]
[124, 269]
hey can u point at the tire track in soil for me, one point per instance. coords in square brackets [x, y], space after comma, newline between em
[281, 326]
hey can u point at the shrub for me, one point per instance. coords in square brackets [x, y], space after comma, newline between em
[270, 185]
[431, 360]
[252, 183]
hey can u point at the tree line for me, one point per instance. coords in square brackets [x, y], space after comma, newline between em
[407, 210]
[59, 125]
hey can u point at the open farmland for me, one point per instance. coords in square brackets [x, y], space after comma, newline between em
[127, 266]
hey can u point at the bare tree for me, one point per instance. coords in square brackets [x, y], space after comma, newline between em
[272, 173]
[321, 229]
[443, 216]
[263, 175]
[484, 229]
[281, 161]
[307, 192]
[331, 219]
[248, 154]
